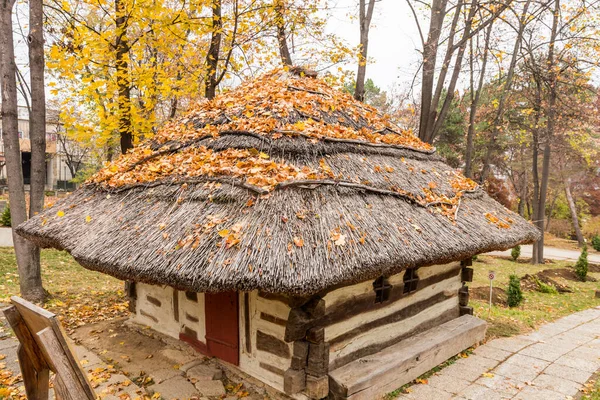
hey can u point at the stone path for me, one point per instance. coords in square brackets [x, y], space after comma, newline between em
[551, 363]
[108, 383]
[173, 371]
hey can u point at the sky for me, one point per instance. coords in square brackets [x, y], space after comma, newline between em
[394, 42]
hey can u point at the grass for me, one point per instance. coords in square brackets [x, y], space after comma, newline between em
[591, 389]
[77, 295]
[537, 308]
[60, 274]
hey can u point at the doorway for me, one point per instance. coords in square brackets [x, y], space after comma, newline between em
[222, 326]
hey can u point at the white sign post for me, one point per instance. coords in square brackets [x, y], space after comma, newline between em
[491, 276]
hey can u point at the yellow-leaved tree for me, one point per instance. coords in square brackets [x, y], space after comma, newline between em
[123, 67]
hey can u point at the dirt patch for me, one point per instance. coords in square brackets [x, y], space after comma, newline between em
[499, 296]
[552, 277]
[593, 267]
[566, 273]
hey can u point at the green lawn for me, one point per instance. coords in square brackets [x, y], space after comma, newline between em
[537, 308]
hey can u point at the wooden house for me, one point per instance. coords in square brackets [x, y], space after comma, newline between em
[293, 232]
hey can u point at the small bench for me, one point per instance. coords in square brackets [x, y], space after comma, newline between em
[373, 376]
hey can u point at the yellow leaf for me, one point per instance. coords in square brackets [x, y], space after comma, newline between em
[60, 213]
[487, 375]
[224, 232]
[341, 240]
[88, 219]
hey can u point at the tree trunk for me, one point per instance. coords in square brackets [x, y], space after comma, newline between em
[550, 211]
[28, 256]
[430, 50]
[284, 51]
[123, 81]
[212, 58]
[37, 134]
[491, 148]
[574, 216]
[535, 168]
[474, 103]
[551, 121]
[365, 15]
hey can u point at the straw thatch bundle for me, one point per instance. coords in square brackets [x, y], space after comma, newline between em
[282, 184]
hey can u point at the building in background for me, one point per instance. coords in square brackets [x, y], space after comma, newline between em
[59, 158]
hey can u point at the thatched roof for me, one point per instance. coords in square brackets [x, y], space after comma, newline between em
[282, 184]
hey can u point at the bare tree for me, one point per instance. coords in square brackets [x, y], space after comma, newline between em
[475, 94]
[365, 14]
[552, 78]
[28, 256]
[432, 113]
[506, 88]
[74, 153]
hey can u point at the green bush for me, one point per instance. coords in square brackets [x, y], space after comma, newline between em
[596, 242]
[515, 252]
[544, 288]
[515, 294]
[5, 216]
[581, 268]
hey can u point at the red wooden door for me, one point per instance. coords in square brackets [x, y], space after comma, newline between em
[222, 325]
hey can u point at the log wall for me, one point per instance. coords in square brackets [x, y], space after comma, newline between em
[170, 311]
[154, 308]
[263, 352]
[356, 326]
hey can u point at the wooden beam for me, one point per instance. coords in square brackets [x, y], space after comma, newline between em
[30, 346]
[36, 382]
[61, 364]
[271, 344]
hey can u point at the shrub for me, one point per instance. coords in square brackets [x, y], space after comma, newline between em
[581, 268]
[5, 216]
[515, 295]
[515, 252]
[544, 288]
[596, 242]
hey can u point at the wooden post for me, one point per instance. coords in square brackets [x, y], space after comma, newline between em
[466, 275]
[310, 362]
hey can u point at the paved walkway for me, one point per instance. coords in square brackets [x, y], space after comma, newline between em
[553, 253]
[6, 239]
[551, 363]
